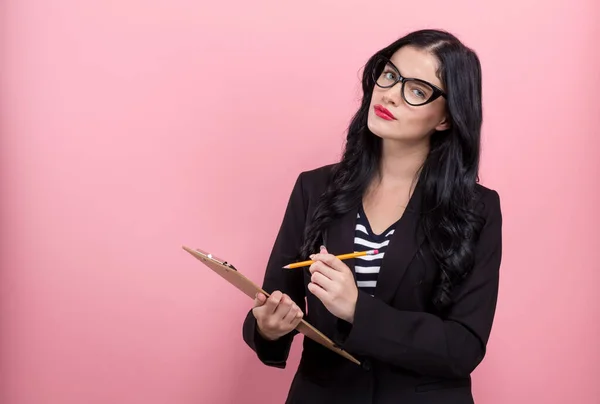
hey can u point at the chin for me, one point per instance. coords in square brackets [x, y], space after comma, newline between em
[383, 130]
[386, 131]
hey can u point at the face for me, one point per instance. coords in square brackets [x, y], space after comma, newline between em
[403, 121]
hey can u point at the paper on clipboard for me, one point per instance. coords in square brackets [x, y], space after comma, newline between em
[233, 276]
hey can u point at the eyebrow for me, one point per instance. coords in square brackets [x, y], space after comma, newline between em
[390, 63]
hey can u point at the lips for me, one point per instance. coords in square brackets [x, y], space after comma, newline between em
[384, 113]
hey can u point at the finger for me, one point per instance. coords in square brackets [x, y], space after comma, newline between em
[296, 320]
[325, 269]
[273, 301]
[322, 250]
[332, 261]
[259, 303]
[292, 314]
[318, 291]
[321, 280]
[285, 305]
[260, 300]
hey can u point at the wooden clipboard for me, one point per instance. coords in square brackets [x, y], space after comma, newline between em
[233, 276]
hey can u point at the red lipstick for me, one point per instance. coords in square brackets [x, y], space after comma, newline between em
[384, 113]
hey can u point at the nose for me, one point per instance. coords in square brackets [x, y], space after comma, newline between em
[392, 95]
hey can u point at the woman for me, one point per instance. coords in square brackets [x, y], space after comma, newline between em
[418, 314]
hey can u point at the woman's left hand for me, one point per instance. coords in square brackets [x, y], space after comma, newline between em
[332, 282]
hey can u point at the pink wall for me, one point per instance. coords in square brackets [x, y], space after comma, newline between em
[118, 127]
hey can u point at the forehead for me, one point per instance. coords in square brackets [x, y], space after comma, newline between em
[417, 63]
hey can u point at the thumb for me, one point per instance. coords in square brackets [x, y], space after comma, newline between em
[260, 299]
[323, 250]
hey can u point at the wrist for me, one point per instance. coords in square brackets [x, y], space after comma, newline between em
[350, 315]
[265, 335]
[351, 318]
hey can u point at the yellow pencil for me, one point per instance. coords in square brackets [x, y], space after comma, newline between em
[341, 257]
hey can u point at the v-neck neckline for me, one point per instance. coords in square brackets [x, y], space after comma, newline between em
[408, 234]
[377, 237]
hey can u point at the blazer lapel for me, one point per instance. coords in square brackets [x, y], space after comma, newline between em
[405, 243]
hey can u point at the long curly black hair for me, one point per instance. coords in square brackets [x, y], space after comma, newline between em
[448, 176]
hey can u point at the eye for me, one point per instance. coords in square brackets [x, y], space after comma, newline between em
[389, 75]
[418, 93]
[419, 90]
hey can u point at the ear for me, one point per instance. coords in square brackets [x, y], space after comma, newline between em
[443, 125]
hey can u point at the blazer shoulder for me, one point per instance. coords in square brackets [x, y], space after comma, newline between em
[484, 192]
[488, 201]
[314, 182]
[319, 172]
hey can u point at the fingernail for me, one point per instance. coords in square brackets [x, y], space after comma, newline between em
[312, 257]
[323, 247]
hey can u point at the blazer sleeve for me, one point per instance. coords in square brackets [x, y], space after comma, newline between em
[285, 250]
[452, 346]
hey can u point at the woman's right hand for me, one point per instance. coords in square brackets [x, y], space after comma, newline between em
[276, 316]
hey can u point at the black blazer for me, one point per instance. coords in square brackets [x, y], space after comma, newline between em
[410, 353]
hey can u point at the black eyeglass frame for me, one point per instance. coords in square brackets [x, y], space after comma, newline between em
[437, 92]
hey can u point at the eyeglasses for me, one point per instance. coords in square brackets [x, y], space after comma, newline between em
[415, 92]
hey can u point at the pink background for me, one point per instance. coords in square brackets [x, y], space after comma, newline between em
[129, 128]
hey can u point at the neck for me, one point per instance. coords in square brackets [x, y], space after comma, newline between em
[401, 162]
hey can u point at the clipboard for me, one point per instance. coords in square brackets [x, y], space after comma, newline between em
[245, 285]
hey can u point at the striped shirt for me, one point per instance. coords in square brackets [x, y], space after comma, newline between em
[367, 267]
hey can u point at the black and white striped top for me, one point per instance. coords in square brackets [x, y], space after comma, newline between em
[367, 267]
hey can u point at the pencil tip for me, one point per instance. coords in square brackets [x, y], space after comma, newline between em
[286, 267]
